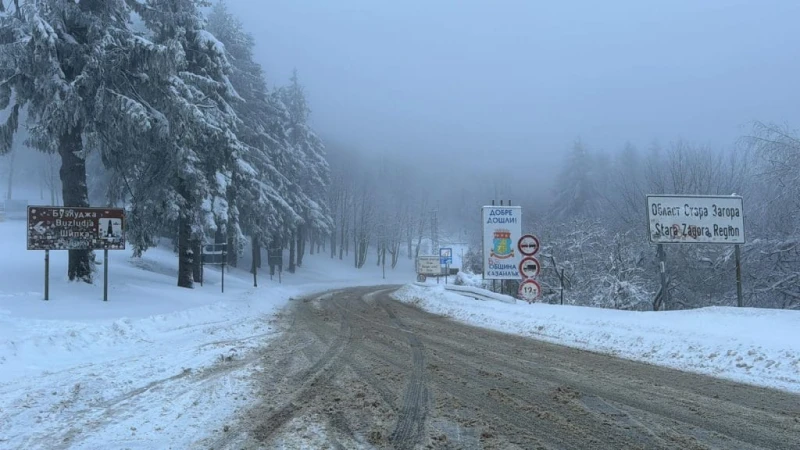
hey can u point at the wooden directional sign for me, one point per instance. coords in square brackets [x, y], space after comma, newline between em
[67, 228]
[528, 245]
[529, 290]
[529, 267]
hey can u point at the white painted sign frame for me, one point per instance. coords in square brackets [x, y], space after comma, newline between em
[502, 229]
[695, 219]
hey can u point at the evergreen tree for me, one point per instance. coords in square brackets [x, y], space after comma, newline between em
[59, 59]
[194, 160]
[259, 187]
[310, 172]
[577, 193]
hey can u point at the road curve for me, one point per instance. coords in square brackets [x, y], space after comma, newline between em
[356, 369]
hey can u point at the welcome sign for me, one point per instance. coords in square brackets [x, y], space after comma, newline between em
[502, 228]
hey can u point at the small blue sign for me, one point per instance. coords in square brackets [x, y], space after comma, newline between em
[445, 256]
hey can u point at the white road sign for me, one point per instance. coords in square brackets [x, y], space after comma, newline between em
[676, 219]
[502, 228]
[428, 265]
[529, 290]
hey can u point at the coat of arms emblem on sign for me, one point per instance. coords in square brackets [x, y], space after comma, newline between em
[502, 248]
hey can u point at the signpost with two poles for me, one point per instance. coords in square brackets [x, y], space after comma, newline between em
[75, 228]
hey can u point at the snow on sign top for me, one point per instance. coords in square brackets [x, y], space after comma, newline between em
[67, 228]
[674, 219]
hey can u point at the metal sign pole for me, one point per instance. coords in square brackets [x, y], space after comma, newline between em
[662, 260]
[105, 275]
[739, 300]
[47, 274]
[57, 228]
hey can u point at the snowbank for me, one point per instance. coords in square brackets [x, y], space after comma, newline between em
[755, 346]
[481, 294]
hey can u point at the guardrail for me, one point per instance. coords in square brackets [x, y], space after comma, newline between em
[473, 292]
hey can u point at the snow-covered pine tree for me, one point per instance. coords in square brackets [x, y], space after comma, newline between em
[628, 187]
[311, 173]
[258, 187]
[58, 59]
[577, 193]
[193, 163]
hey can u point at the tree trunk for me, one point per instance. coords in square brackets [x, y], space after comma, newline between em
[197, 267]
[75, 193]
[256, 245]
[301, 245]
[333, 244]
[10, 174]
[275, 255]
[233, 249]
[410, 236]
[185, 256]
[355, 240]
[396, 254]
[312, 239]
[342, 239]
[292, 244]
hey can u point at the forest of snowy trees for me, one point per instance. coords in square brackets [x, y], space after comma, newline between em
[593, 224]
[161, 103]
[159, 106]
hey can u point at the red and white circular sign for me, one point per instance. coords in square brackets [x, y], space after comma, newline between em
[528, 245]
[529, 267]
[529, 290]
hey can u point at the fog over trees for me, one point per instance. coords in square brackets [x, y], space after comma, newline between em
[166, 108]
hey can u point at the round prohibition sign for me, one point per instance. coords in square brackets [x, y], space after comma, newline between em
[529, 267]
[529, 290]
[528, 245]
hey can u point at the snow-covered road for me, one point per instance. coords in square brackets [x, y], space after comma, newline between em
[162, 367]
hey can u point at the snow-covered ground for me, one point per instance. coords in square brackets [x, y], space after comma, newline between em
[755, 346]
[156, 366]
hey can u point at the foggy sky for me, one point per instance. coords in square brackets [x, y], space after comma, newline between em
[476, 79]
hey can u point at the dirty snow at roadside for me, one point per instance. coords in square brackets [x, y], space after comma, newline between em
[749, 345]
[156, 366]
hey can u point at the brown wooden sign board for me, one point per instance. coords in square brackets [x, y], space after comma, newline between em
[67, 228]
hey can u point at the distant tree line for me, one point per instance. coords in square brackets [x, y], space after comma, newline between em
[170, 116]
[594, 231]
